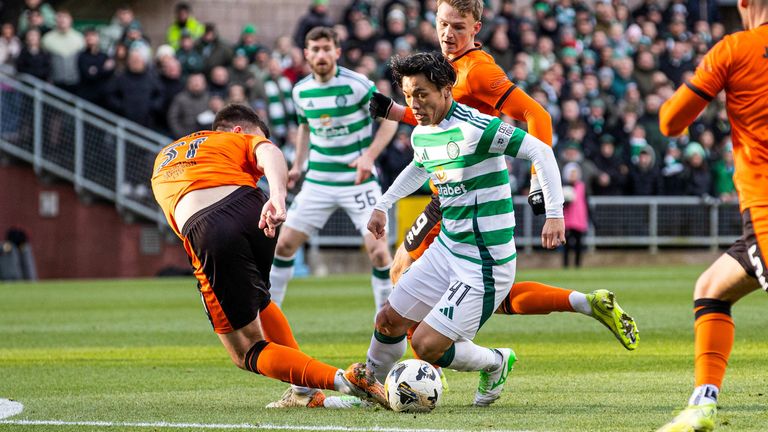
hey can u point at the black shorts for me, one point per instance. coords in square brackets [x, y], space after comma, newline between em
[232, 258]
[424, 229]
[748, 248]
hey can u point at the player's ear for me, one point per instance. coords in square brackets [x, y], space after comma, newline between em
[476, 28]
[237, 129]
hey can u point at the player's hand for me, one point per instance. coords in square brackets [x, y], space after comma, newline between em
[553, 233]
[536, 196]
[272, 215]
[383, 106]
[364, 165]
[294, 174]
[380, 105]
[377, 224]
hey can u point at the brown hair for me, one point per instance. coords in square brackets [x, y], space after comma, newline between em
[465, 7]
[236, 114]
[318, 33]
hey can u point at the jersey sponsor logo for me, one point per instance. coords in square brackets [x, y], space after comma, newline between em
[757, 263]
[416, 228]
[440, 174]
[451, 191]
[453, 149]
[330, 132]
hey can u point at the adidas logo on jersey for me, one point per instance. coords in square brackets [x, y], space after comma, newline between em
[447, 311]
[450, 191]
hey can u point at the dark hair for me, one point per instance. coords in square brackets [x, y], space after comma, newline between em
[435, 67]
[183, 6]
[318, 33]
[237, 114]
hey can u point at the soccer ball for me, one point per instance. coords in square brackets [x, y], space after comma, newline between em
[413, 386]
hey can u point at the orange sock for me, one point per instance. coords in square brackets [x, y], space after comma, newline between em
[533, 298]
[713, 334]
[276, 328]
[289, 365]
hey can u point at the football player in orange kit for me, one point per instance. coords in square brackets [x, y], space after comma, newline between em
[205, 184]
[483, 85]
[738, 65]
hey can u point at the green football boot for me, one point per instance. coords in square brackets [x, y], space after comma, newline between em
[606, 310]
[491, 383]
[695, 418]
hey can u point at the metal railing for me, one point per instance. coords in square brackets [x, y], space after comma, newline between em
[111, 157]
[99, 152]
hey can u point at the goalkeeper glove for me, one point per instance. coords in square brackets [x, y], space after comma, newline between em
[536, 196]
[384, 106]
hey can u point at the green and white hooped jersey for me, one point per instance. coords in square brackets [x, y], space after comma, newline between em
[464, 156]
[340, 128]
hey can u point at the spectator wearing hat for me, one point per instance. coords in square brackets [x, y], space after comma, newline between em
[184, 21]
[240, 74]
[612, 173]
[317, 16]
[188, 105]
[191, 60]
[697, 176]
[135, 40]
[214, 51]
[597, 124]
[395, 25]
[95, 68]
[644, 177]
[64, 44]
[249, 42]
[113, 34]
[672, 178]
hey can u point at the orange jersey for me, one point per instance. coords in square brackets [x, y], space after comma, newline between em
[203, 160]
[737, 64]
[483, 85]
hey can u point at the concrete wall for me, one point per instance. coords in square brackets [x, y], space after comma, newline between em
[82, 240]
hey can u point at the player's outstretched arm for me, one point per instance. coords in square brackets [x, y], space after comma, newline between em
[409, 181]
[271, 162]
[679, 111]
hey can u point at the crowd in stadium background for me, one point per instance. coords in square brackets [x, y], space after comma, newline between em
[600, 69]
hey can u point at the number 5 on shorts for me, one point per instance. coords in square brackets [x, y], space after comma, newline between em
[371, 200]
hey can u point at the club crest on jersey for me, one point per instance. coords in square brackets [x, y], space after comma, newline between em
[341, 100]
[453, 150]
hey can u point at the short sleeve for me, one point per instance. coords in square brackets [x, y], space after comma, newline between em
[301, 118]
[712, 73]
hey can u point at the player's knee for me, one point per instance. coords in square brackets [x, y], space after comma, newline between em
[425, 350]
[380, 256]
[388, 322]
[708, 286]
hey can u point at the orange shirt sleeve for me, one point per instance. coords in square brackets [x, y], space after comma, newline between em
[522, 107]
[677, 113]
[253, 142]
[408, 117]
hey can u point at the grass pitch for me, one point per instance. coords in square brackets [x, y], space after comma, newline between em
[133, 351]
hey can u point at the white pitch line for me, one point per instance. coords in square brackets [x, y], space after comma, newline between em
[265, 426]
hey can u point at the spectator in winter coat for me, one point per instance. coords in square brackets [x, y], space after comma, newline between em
[187, 105]
[32, 59]
[136, 93]
[64, 44]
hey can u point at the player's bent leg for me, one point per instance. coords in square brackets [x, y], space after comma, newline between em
[288, 242]
[463, 355]
[388, 341]
[400, 264]
[534, 298]
[381, 259]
